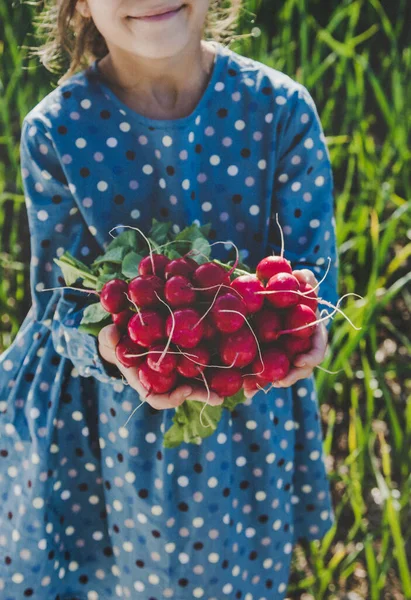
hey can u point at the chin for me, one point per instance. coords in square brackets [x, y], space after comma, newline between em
[149, 47]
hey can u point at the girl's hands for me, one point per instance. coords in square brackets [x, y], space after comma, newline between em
[108, 339]
[304, 363]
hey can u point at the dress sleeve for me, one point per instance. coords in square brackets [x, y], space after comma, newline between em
[56, 225]
[303, 197]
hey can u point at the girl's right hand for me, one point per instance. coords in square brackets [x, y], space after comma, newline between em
[108, 338]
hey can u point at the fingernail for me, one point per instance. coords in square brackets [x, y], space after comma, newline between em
[301, 365]
[188, 392]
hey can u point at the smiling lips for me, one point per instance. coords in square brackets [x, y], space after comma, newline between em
[161, 14]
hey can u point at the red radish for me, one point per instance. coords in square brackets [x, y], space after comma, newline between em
[239, 348]
[187, 365]
[209, 330]
[228, 321]
[298, 316]
[225, 382]
[276, 365]
[154, 381]
[311, 299]
[168, 363]
[267, 324]
[143, 288]
[191, 261]
[278, 283]
[126, 346]
[178, 291]
[188, 331]
[146, 327]
[113, 296]
[122, 318]
[180, 266]
[247, 286]
[210, 275]
[250, 383]
[295, 345]
[160, 263]
[271, 265]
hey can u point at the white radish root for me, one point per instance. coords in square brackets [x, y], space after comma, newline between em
[146, 239]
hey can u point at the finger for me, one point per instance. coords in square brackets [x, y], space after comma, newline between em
[178, 395]
[293, 376]
[305, 276]
[108, 338]
[200, 394]
[317, 353]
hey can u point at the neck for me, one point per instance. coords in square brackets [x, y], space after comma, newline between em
[167, 87]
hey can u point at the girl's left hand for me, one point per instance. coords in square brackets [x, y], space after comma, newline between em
[303, 364]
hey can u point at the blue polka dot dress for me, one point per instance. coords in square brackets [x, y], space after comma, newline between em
[90, 509]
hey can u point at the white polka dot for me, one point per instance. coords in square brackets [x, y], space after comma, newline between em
[42, 215]
[38, 502]
[81, 143]
[111, 142]
[239, 125]
[167, 141]
[296, 186]
[308, 143]
[232, 170]
[314, 223]
[206, 206]
[148, 169]
[254, 210]
[102, 186]
[183, 481]
[214, 160]
[319, 181]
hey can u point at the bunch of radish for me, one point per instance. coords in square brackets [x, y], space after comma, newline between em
[186, 318]
[184, 321]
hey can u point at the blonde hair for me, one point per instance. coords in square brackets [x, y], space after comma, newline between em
[72, 41]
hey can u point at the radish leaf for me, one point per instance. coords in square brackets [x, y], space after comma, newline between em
[94, 313]
[187, 425]
[129, 266]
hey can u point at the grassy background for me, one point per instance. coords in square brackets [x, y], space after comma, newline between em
[355, 58]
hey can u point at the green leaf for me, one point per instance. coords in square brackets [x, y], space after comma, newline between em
[187, 426]
[231, 402]
[129, 238]
[202, 250]
[93, 328]
[94, 313]
[190, 238]
[205, 229]
[172, 253]
[159, 232]
[129, 266]
[115, 255]
[72, 273]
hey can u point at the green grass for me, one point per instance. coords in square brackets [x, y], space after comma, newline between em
[354, 56]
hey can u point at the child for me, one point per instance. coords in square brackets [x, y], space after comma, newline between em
[168, 125]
